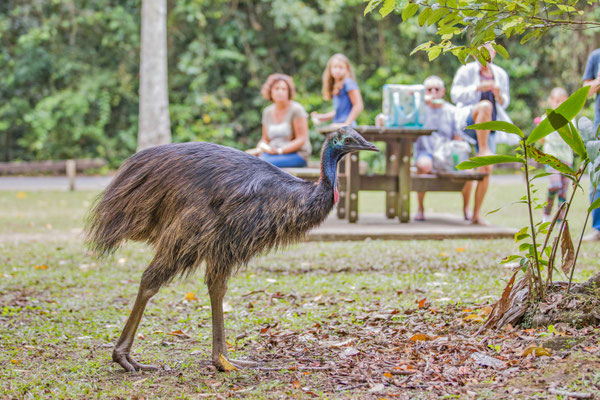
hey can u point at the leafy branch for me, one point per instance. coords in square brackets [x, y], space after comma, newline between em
[486, 20]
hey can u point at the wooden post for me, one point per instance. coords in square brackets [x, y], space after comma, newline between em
[391, 169]
[71, 169]
[352, 186]
[404, 181]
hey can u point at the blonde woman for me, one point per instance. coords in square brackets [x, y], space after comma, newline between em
[284, 141]
[339, 85]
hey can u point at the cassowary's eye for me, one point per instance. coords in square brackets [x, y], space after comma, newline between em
[347, 141]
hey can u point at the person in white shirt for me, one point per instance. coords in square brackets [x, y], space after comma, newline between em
[482, 93]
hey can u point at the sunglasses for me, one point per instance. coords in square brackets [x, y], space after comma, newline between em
[431, 89]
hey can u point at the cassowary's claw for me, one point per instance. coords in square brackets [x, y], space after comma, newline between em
[141, 367]
[130, 365]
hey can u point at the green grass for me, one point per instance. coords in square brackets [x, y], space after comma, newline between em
[59, 324]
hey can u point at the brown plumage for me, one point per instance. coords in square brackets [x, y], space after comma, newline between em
[206, 204]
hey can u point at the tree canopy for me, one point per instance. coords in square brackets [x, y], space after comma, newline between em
[482, 21]
[70, 80]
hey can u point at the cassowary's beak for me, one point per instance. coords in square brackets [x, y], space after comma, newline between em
[362, 145]
[358, 142]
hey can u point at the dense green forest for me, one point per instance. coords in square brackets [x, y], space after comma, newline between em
[69, 69]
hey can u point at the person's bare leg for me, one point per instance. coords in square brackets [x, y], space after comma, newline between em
[424, 166]
[482, 112]
[480, 191]
[121, 353]
[466, 194]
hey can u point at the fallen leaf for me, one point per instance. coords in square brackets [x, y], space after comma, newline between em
[296, 384]
[340, 344]
[377, 388]
[40, 267]
[460, 249]
[443, 254]
[227, 366]
[191, 296]
[307, 390]
[350, 351]
[179, 333]
[487, 361]
[473, 318]
[14, 361]
[387, 375]
[139, 381]
[485, 311]
[422, 303]
[537, 351]
[21, 195]
[421, 337]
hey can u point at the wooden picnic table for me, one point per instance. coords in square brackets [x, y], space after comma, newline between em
[396, 181]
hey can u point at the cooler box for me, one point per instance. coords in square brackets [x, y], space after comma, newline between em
[404, 106]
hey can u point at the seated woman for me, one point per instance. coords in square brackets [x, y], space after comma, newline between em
[284, 141]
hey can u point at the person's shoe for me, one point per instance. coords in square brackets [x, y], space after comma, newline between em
[593, 236]
[468, 216]
[419, 216]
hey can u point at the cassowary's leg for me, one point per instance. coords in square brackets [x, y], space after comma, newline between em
[147, 289]
[219, 346]
[216, 291]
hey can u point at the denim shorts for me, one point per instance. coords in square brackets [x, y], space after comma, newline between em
[472, 134]
[288, 160]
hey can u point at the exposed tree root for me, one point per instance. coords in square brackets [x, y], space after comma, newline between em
[579, 308]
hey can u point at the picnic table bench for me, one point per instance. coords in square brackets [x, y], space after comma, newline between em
[397, 182]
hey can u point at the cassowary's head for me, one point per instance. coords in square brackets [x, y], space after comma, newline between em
[343, 141]
[346, 140]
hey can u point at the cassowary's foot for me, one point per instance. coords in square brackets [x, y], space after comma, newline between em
[130, 365]
[226, 364]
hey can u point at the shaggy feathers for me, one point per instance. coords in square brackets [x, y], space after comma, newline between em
[202, 202]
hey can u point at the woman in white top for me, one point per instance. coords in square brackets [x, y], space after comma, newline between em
[284, 141]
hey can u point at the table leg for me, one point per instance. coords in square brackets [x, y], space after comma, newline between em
[391, 169]
[341, 205]
[352, 186]
[404, 181]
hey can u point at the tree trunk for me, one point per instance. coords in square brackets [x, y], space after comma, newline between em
[154, 122]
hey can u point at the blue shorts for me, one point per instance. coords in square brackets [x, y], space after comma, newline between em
[289, 160]
[472, 134]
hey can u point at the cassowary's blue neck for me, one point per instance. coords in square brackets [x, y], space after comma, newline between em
[329, 165]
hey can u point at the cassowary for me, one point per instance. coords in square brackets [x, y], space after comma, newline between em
[202, 203]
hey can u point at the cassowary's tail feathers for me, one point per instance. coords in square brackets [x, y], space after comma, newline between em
[118, 213]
